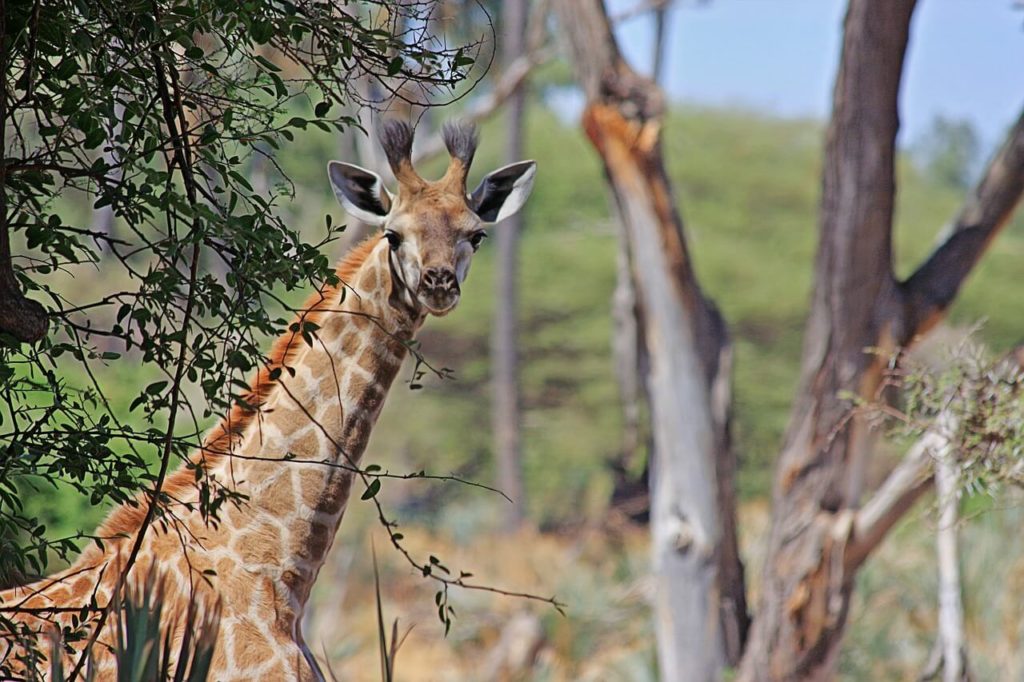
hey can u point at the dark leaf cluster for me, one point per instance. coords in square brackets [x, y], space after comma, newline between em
[156, 112]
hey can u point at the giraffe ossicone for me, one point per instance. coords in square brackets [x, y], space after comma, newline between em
[290, 446]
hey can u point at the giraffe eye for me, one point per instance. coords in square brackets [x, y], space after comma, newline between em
[476, 239]
[394, 239]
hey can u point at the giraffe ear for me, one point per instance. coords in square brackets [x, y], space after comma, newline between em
[360, 191]
[503, 192]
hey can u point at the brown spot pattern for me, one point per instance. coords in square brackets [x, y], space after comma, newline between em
[261, 545]
[252, 648]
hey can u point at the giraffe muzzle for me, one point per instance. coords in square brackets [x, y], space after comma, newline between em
[439, 290]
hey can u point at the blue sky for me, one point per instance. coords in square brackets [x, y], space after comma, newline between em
[966, 58]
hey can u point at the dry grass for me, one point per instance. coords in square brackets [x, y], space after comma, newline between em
[600, 572]
[893, 620]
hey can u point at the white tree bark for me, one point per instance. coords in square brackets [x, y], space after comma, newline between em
[951, 611]
[684, 520]
[700, 593]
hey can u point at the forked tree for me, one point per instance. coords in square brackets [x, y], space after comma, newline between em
[824, 525]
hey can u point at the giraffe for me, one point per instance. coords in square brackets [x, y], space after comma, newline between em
[290, 445]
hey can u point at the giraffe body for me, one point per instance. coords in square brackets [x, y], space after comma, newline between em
[292, 446]
[265, 554]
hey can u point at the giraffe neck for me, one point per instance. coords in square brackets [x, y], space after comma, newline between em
[318, 419]
[293, 457]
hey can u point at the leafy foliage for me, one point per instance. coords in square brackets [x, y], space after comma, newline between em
[143, 651]
[983, 399]
[166, 115]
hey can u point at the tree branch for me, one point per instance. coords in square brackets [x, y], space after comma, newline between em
[24, 319]
[904, 486]
[513, 78]
[951, 610]
[639, 9]
[933, 286]
[907, 482]
[173, 117]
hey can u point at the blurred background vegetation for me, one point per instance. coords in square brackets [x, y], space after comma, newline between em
[748, 185]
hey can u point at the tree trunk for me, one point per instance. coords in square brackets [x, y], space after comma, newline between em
[628, 348]
[819, 538]
[631, 493]
[806, 592]
[104, 220]
[504, 341]
[700, 607]
[21, 317]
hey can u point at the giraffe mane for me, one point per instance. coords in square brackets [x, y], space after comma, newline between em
[218, 443]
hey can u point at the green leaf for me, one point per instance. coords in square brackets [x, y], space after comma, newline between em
[262, 31]
[156, 387]
[279, 86]
[372, 489]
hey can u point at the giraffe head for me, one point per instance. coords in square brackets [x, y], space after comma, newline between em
[432, 227]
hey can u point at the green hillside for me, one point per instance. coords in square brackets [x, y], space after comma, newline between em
[748, 189]
[747, 186]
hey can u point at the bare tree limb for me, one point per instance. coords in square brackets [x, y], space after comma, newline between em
[513, 78]
[933, 663]
[639, 9]
[700, 611]
[897, 494]
[932, 287]
[951, 610]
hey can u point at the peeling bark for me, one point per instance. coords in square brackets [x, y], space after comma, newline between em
[802, 613]
[700, 607]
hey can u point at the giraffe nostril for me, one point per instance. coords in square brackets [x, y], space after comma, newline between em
[439, 278]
